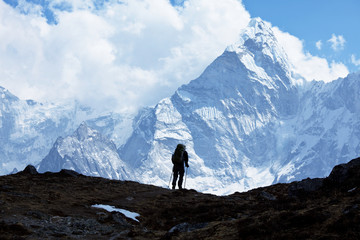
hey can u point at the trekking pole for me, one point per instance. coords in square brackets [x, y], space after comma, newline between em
[170, 179]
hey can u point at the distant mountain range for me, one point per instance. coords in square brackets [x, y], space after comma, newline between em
[249, 120]
[88, 152]
[28, 129]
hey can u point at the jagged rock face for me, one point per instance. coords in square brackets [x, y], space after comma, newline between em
[247, 122]
[87, 152]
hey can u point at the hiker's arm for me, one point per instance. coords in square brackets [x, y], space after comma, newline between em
[186, 159]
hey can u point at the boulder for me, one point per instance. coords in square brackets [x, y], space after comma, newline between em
[30, 169]
[344, 172]
[305, 186]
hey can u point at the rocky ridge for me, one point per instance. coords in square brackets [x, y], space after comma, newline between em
[60, 206]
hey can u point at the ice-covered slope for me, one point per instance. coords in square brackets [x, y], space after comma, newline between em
[28, 129]
[227, 117]
[325, 132]
[248, 122]
[88, 152]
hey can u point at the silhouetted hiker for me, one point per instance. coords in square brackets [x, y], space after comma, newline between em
[179, 158]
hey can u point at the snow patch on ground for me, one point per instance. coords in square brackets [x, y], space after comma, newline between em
[128, 214]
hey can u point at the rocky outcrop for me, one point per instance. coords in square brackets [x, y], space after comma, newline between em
[61, 206]
[30, 169]
[305, 186]
[345, 175]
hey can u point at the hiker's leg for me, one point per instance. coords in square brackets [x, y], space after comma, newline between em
[175, 178]
[181, 172]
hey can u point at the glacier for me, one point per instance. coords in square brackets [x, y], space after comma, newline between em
[249, 120]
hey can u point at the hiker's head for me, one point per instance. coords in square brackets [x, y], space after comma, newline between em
[180, 147]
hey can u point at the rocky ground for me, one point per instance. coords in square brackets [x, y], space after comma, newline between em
[59, 206]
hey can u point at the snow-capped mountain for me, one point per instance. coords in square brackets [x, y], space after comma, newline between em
[28, 129]
[248, 121]
[88, 152]
[325, 131]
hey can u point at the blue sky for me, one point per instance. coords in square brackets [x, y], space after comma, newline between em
[132, 53]
[313, 21]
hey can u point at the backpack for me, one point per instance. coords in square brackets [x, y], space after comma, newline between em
[177, 159]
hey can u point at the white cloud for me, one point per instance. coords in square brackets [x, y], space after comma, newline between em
[128, 54]
[337, 42]
[309, 66]
[318, 44]
[355, 61]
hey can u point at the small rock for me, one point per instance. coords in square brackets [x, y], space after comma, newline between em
[56, 219]
[102, 217]
[77, 232]
[118, 218]
[36, 214]
[59, 234]
[6, 188]
[267, 196]
[351, 209]
[17, 229]
[187, 227]
[70, 173]
[36, 226]
[106, 230]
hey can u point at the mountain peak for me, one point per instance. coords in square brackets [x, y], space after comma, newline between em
[260, 26]
[257, 30]
[84, 132]
[259, 50]
[6, 94]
